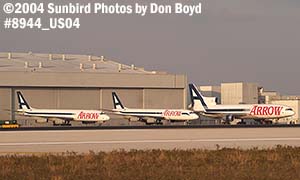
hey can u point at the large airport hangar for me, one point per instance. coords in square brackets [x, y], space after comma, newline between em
[83, 82]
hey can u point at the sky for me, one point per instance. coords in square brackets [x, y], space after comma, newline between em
[231, 41]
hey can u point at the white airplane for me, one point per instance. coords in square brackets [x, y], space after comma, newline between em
[60, 116]
[258, 112]
[152, 116]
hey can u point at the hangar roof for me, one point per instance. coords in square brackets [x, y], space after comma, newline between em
[33, 62]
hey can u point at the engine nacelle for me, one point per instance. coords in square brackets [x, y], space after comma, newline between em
[133, 118]
[150, 121]
[57, 121]
[211, 101]
[41, 120]
[229, 117]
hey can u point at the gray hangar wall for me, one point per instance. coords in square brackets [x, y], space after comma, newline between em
[77, 90]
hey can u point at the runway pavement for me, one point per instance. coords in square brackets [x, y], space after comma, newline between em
[107, 140]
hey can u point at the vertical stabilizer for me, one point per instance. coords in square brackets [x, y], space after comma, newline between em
[23, 105]
[198, 102]
[117, 102]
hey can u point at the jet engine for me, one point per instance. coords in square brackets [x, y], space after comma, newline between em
[150, 121]
[229, 118]
[134, 119]
[41, 120]
[57, 121]
[211, 101]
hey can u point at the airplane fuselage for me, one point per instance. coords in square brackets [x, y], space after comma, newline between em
[67, 114]
[165, 114]
[250, 111]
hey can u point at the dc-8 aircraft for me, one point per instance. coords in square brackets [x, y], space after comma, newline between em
[151, 116]
[259, 112]
[60, 116]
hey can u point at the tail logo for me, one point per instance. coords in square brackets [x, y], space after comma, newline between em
[196, 95]
[22, 102]
[116, 101]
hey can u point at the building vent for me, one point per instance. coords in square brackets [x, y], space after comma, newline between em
[9, 56]
[120, 68]
[132, 67]
[102, 58]
[50, 57]
[40, 65]
[81, 67]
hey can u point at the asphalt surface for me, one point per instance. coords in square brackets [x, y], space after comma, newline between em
[58, 128]
[114, 139]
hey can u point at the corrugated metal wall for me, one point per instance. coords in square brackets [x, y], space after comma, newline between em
[89, 98]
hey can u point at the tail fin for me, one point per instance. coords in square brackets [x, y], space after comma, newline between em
[22, 102]
[198, 102]
[117, 102]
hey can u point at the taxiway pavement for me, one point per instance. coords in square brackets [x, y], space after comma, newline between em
[107, 140]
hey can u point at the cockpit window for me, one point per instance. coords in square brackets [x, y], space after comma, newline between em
[289, 109]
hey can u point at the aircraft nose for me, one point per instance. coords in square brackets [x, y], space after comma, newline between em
[292, 113]
[195, 116]
[106, 117]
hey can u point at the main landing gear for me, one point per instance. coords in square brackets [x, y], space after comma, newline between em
[187, 123]
[241, 122]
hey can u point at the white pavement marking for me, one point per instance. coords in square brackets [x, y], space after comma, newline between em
[147, 141]
[72, 131]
